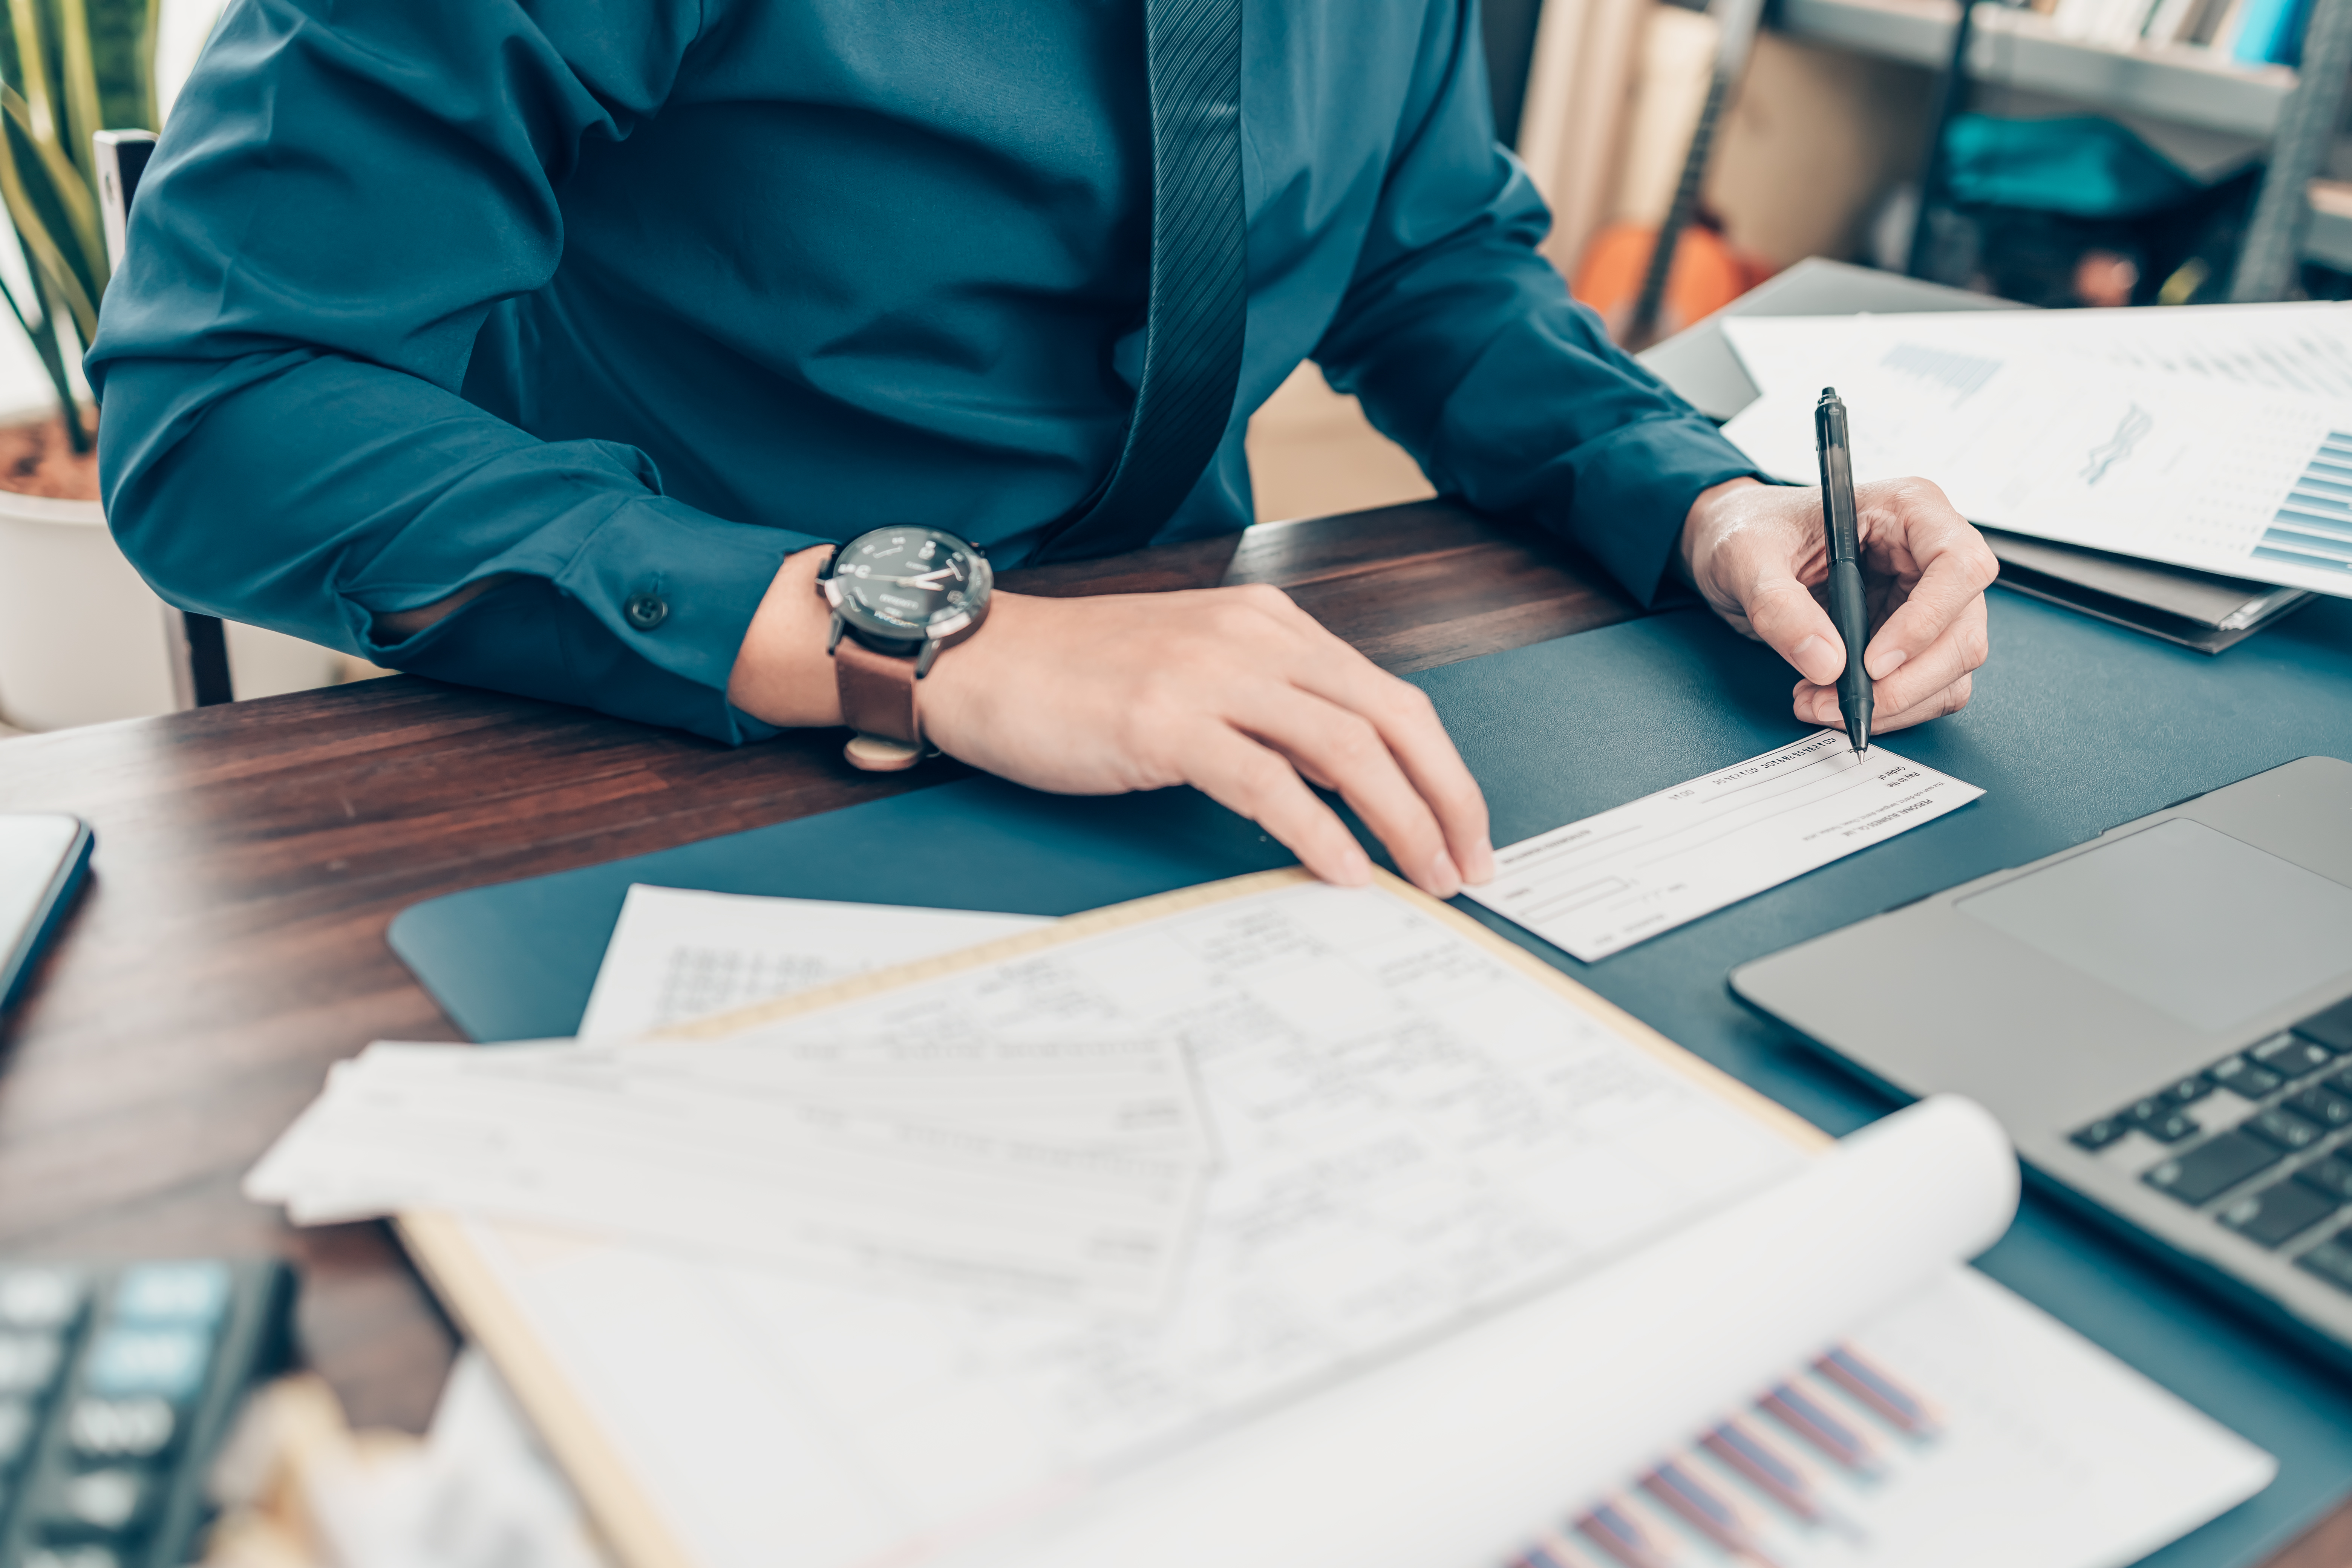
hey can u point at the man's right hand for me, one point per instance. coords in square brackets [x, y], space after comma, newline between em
[1237, 692]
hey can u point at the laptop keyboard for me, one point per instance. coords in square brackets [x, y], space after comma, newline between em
[2261, 1141]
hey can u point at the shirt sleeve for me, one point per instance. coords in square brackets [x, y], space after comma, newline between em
[343, 199]
[1465, 347]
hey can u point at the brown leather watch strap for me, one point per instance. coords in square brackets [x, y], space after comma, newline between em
[878, 692]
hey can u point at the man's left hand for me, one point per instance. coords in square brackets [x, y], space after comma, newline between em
[1757, 554]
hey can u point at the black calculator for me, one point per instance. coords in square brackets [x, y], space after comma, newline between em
[116, 1383]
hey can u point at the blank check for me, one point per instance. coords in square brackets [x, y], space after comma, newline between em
[1599, 886]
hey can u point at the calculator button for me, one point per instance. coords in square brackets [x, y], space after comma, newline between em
[2213, 1167]
[2242, 1077]
[18, 1428]
[97, 1503]
[2291, 1056]
[196, 1294]
[2275, 1213]
[2320, 1105]
[30, 1364]
[167, 1362]
[2101, 1133]
[40, 1298]
[109, 1430]
[2289, 1132]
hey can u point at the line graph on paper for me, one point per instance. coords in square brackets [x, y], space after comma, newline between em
[2135, 424]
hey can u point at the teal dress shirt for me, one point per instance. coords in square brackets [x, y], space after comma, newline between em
[632, 299]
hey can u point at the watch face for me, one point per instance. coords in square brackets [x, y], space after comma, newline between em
[909, 584]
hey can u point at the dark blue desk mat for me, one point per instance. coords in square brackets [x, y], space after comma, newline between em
[2075, 727]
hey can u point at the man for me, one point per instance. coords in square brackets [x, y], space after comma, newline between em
[550, 345]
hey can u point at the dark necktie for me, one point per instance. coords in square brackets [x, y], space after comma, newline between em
[1193, 337]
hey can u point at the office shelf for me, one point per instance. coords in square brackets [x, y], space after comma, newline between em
[2016, 48]
[2020, 49]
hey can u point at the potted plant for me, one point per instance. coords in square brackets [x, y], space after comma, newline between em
[82, 639]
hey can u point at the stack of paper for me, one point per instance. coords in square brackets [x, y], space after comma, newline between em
[678, 954]
[1051, 1166]
[1486, 1272]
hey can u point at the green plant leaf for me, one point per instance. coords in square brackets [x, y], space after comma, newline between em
[33, 67]
[66, 187]
[53, 274]
[80, 80]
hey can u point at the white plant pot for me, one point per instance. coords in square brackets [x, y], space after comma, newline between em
[83, 639]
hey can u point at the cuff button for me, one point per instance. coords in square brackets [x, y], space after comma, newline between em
[645, 610]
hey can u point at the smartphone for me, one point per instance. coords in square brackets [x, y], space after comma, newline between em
[43, 859]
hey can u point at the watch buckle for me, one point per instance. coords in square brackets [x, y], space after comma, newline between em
[881, 755]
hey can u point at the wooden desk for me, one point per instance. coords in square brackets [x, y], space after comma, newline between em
[230, 945]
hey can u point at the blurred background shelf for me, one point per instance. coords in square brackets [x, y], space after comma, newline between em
[2022, 49]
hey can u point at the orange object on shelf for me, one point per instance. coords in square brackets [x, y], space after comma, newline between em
[1707, 274]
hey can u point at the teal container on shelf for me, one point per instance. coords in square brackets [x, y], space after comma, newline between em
[2269, 32]
[2081, 166]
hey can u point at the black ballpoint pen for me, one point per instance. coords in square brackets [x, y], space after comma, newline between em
[1848, 608]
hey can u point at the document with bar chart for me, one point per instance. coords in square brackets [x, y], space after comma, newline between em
[1486, 1272]
[2246, 480]
[1964, 1429]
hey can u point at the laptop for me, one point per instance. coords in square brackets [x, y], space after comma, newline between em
[2161, 1018]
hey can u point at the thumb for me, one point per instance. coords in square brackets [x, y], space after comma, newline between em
[1792, 621]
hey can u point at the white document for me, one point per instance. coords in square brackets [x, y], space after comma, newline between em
[2044, 1452]
[1413, 1133]
[1071, 1180]
[675, 954]
[2203, 470]
[730, 1382]
[2301, 348]
[1599, 886]
[1458, 1213]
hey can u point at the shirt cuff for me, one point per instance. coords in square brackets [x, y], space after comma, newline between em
[643, 621]
[1624, 495]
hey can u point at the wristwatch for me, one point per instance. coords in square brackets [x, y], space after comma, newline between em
[900, 597]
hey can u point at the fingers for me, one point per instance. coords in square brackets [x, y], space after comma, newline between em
[1346, 752]
[1751, 552]
[1418, 753]
[1234, 691]
[1911, 517]
[1819, 705]
[1245, 776]
[1916, 683]
[1792, 623]
[1961, 648]
[1935, 705]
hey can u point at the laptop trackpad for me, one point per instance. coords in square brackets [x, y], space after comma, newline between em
[2188, 920]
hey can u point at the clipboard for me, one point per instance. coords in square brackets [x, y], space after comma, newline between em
[623, 1511]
